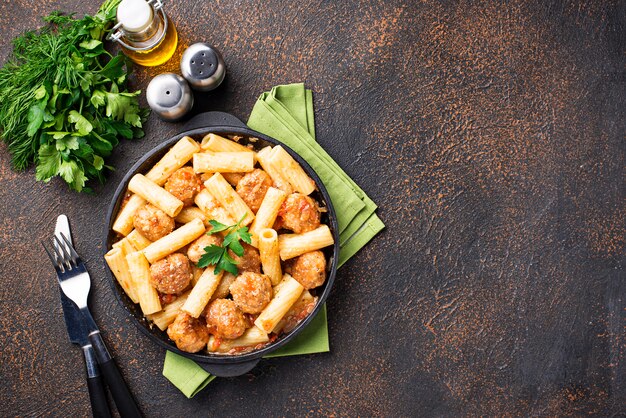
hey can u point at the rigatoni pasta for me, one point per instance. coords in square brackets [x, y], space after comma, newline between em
[116, 260]
[137, 240]
[293, 245]
[280, 181]
[202, 292]
[174, 159]
[124, 222]
[212, 209]
[252, 337]
[174, 241]
[155, 194]
[288, 294]
[267, 213]
[166, 316]
[292, 171]
[270, 257]
[216, 143]
[140, 271]
[229, 199]
[223, 162]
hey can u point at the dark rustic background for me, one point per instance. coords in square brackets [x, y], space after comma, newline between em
[492, 137]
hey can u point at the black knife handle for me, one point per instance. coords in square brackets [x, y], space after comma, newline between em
[97, 395]
[126, 404]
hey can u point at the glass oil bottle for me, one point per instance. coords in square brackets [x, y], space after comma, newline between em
[144, 32]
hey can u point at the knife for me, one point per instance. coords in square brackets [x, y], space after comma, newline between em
[78, 335]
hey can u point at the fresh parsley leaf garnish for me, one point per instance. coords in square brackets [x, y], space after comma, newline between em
[218, 255]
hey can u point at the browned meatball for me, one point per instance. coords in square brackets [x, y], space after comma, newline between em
[252, 188]
[172, 274]
[299, 213]
[309, 269]
[184, 184]
[196, 248]
[251, 292]
[189, 334]
[250, 261]
[224, 319]
[152, 222]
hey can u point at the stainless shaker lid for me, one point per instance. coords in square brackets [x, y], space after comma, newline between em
[169, 96]
[203, 67]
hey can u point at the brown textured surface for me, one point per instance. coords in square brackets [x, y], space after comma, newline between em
[492, 136]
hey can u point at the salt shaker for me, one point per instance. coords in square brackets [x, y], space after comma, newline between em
[203, 67]
[169, 96]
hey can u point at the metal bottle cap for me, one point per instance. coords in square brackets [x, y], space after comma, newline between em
[203, 67]
[169, 96]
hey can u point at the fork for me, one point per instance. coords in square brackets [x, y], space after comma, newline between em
[75, 284]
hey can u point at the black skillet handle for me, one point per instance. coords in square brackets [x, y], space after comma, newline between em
[97, 395]
[209, 119]
[126, 404]
[229, 370]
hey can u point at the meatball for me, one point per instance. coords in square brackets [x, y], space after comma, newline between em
[224, 319]
[249, 261]
[196, 248]
[152, 222]
[184, 184]
[299, 213]
[189, 334]
[252, 188]
[172, 274]
[251, 292]
[309, 269]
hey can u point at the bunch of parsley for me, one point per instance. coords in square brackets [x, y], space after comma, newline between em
[63, 99]
[217, 255]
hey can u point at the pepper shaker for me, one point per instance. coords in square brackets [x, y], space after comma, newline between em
[169, 96]
[203, 67]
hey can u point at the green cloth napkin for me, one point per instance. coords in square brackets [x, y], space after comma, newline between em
[286, 113]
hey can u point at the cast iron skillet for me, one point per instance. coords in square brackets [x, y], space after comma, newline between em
[224, 124]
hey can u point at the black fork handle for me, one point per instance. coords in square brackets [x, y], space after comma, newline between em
[126, 404]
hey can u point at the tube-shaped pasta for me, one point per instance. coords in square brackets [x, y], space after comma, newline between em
[164, 318]
[278, 178]
[124, 221]
[267, 213]
[140, 272]
[212, 208]
[223, 289]
[174, 241]
[288, 294]
[216, 143]
[270, 259]
[292, 171]
[300, 310]
[225, 162]
[250, 338]
[174, 159]
[116, 260]
[125, 245]
[196, 273]
[190, 213]
[293, 245]
[202, 292]
[137, 240]
[229, 198]
[155, 194]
